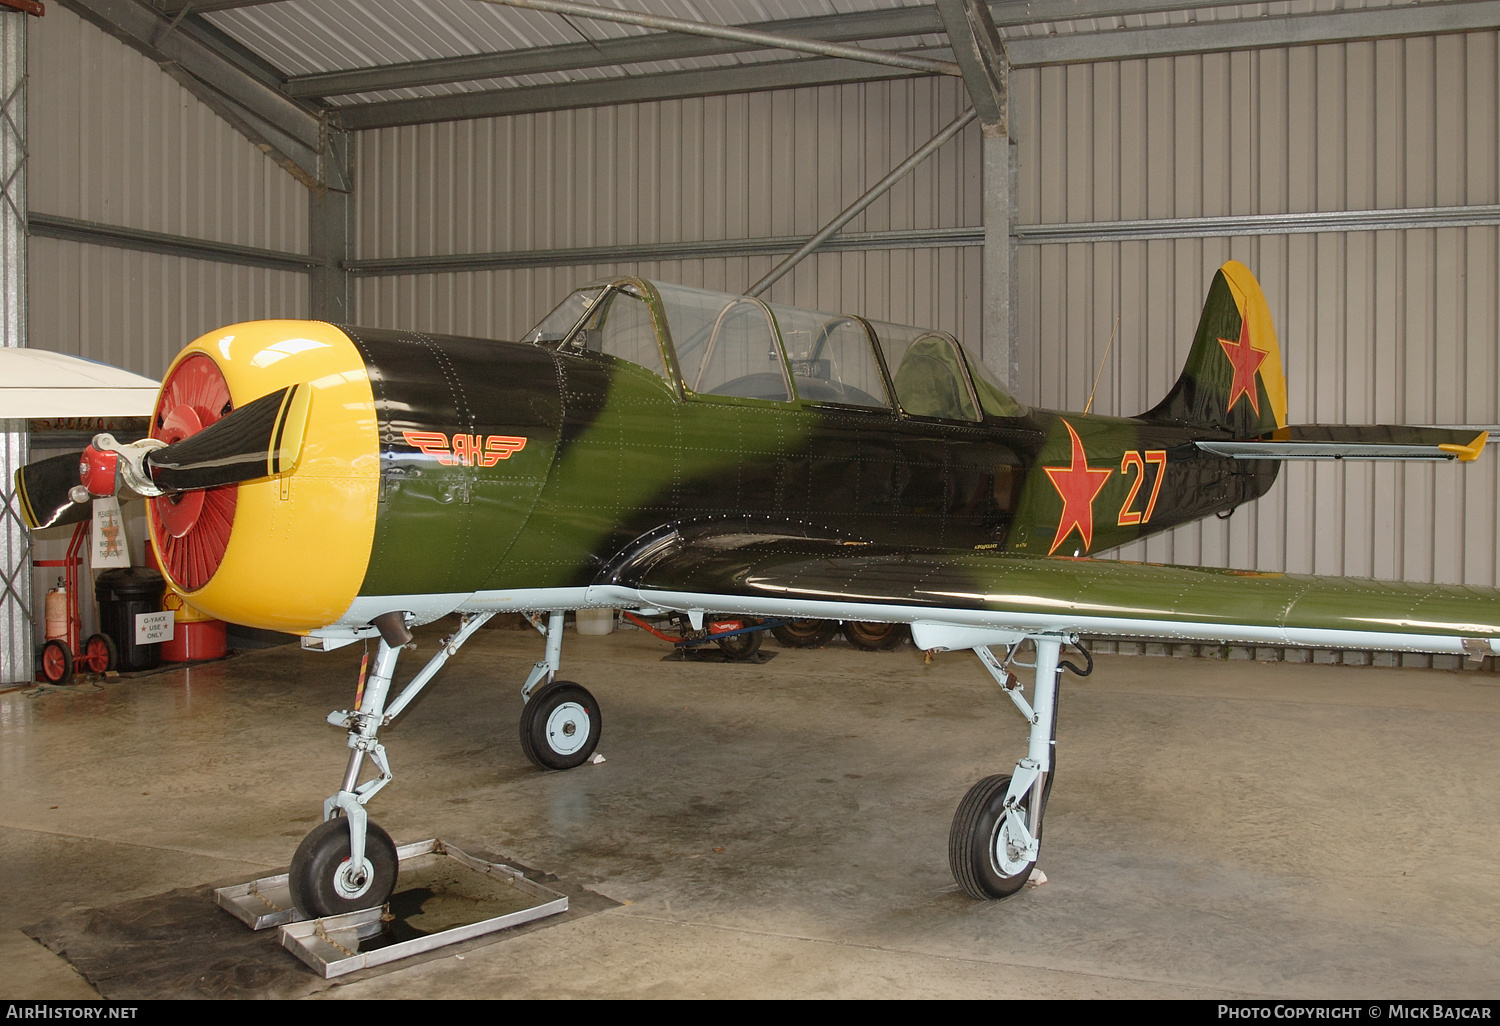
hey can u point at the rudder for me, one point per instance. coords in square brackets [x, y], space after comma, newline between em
[1233, 379]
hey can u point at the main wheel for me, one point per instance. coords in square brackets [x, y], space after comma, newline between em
[325, 882]
[875, 637]
[806, 633]
[560, 726]
[741, 647]
[99, 653]
[57, 662]
[981, 850]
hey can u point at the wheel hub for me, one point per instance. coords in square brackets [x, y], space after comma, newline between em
[568, 728]
[350, 883]
[1006, 857]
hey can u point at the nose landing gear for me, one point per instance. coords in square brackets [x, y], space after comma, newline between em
[347, 863]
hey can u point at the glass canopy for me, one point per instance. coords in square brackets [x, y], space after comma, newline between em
[714, 344]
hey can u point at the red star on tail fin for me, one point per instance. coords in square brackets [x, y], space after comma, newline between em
[1246, 360]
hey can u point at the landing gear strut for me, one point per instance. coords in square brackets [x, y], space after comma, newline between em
[560, 724]
[348, 863]
[997, 831]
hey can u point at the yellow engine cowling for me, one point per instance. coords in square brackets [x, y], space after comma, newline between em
[291, 551]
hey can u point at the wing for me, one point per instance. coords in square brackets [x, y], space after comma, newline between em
[958, 599]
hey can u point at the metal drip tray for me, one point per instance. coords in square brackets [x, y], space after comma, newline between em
[445, 896]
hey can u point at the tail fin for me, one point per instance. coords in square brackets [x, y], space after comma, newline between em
[1233, 379]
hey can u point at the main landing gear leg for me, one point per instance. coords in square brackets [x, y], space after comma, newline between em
[997, 830]
[560, 723]
[348, 863]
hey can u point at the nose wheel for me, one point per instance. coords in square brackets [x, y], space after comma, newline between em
[560, 726]
[324, 879]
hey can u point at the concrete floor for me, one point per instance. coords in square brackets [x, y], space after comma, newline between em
[1217, 829]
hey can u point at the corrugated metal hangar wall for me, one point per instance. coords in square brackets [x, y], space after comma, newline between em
[1396, 326]
[748, 166]
[1399, 324]
[114, 140]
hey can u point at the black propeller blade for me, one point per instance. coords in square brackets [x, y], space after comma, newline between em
[43, 488]
[260, 439]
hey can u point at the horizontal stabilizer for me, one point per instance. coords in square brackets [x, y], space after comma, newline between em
[1354, 442]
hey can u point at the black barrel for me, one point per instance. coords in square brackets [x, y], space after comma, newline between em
[123, 594]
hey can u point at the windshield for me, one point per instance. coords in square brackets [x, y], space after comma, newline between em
[557, 324]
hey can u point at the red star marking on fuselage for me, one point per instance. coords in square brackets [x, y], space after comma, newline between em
[1246, 360]
[1078, 485]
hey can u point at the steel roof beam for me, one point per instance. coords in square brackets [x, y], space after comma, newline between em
[742, 78]
[172, 8]
[657, 46]
[1121, 44]
[980, 53]
[665, 46]
[1427, 19]
[736, 33]
[1005, 12]
[291, 134]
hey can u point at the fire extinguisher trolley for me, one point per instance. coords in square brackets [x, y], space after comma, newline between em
[61, 657]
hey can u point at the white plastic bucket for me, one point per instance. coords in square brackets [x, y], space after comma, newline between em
[596, 621]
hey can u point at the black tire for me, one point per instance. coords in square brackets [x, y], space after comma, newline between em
[975, 851]
[806, 633]
[741, 647]
[99, 653]
[315, 876]
[57, 662]
[560, 726]
[875, 637]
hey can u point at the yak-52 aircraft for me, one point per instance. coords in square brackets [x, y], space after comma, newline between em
[661, 448]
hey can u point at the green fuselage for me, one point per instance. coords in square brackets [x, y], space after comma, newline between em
[613, 452]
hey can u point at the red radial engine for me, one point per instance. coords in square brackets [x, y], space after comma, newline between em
[191, 529]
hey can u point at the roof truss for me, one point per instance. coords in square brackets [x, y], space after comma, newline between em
[289, 115]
